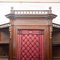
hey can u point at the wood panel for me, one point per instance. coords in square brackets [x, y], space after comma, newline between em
[31, 21]
[4, 43]
[46, 41]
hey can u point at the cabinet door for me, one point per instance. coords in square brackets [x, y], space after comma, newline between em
[30, 45]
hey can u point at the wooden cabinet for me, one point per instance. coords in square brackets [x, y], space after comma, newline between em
[32, 27]
[56, 52]
[4, 49]
[56, 43]
[4, 43]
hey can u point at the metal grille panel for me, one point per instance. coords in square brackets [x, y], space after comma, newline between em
[30, 45]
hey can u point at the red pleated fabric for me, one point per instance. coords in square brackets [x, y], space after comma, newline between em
[30, 45]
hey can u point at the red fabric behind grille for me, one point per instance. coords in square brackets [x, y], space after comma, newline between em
[30, 45]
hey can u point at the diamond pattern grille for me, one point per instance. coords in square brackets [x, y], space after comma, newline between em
[30, 45]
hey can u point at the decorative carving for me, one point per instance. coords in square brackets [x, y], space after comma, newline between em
[12, 11]
[10, 30]
[31, 11]
[51, 29]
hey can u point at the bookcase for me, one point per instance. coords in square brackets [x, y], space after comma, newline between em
[23, 23]
[56, 44]
[4, 43]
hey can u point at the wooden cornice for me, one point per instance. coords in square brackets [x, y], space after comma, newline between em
[31, 13]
